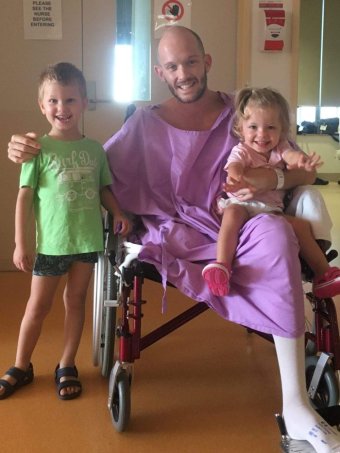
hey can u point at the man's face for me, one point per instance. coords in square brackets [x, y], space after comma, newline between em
[183, 67]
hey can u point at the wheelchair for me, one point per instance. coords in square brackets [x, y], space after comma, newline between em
[118, 340]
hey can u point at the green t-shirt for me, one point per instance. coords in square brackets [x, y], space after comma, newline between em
[66, 178]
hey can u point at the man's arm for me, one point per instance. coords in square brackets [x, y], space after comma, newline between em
[22, 148]
[263, 179]
[257, 180]
[298, 177]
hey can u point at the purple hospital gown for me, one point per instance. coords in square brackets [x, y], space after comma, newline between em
[171, 178]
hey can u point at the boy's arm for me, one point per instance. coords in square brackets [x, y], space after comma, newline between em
[23, 254]
[120, 222]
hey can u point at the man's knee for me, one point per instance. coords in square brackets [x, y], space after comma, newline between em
[276, 233]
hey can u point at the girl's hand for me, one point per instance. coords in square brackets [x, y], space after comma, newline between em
[240, 189]
[306, 162]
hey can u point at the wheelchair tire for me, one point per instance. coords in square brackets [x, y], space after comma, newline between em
[98, 303]
[121, 402]
[108, 324]
[104, 318]
[310, 348]
[328, 391]
[108, 341]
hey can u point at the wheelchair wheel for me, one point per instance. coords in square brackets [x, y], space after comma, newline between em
[310, 348]
[98, 303]
[328, 391]
[109, 323]
[104, 318]
[121, 402]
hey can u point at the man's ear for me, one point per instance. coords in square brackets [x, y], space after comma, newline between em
[207, 62]
[159, 71]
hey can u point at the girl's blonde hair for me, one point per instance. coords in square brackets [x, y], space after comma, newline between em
[261, 98]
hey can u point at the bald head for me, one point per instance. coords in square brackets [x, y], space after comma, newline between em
[177, 35]
[182, 64]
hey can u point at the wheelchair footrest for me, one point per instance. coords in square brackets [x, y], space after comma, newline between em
[288, 445]
[296, 446]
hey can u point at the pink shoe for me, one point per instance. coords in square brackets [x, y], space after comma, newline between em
[217, 276]
[328, 285]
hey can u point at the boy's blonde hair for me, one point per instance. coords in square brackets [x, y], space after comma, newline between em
[261, 98]
[63, 73]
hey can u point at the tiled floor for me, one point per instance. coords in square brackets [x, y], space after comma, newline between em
[208, 387]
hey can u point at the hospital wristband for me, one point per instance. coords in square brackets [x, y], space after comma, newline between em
[280, 178]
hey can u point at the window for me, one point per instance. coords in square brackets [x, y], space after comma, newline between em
[319, 65]
[132, 51]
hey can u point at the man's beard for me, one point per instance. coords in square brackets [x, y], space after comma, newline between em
[197, 96]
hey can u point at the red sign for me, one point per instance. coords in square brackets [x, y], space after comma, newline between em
[275, 22]
[173, 10]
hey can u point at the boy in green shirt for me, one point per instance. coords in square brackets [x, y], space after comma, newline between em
[65, 186]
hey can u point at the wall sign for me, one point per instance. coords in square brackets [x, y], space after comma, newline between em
[274, 26]
[42, 19]
[175, 12]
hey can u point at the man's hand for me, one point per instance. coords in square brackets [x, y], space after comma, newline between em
[23, 148]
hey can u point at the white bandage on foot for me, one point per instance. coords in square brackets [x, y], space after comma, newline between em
[301, 420]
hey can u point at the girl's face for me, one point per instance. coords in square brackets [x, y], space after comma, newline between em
[63, 106]
[261, 128]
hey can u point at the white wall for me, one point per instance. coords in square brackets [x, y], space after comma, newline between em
[271, 68]
[262, 68]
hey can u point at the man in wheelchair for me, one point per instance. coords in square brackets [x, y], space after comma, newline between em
[167, 163]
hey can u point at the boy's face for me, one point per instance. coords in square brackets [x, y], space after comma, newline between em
[63, 106]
